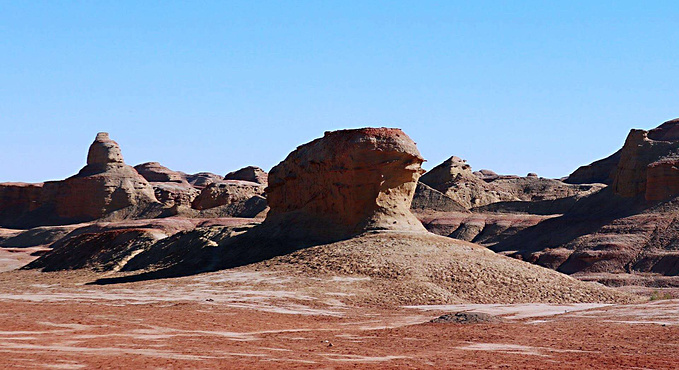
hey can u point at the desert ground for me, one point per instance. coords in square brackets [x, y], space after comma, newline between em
[242, 318]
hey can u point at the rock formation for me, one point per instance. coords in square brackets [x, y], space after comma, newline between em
[601, 171]
[18, 201]
[202, 179]
[656, 150]
[249, 173]
[155, 172]
[105, 187]
[170, 187]
[628, 228]
[454, 177]
[428, 199]
[340, 206]
[227, 193]
[347, 182]
[106, 184]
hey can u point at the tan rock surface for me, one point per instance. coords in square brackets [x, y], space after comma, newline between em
[249, 173]
[454, 178]
[347, 182]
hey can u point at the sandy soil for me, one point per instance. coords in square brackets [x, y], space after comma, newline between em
[249, 319]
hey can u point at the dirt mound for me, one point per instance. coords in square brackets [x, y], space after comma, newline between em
[422, 268]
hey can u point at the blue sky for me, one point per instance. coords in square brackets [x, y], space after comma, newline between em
[516, 87]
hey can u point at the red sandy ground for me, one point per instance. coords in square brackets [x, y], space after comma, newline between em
[218, 321]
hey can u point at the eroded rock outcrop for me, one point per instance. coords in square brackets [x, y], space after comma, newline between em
[202, 179]
[656, 150]
[249, 173]
[170, 187]
[155, 172]
[628, 228]
[236, 198]
[347, 182]
[17, 201]
[601, 171]
[454, 177]
[105, 187]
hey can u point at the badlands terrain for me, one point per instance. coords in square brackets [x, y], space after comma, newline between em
[345, 254]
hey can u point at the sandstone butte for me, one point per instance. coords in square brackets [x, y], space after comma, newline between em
[347, 182]
[105, 187]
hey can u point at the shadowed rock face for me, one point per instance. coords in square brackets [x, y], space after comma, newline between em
[649, 157]
[347, 182]
[646, 165]
[629, 227]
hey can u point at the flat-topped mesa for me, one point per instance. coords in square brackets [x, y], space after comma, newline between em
[346, 182]
[649, 163]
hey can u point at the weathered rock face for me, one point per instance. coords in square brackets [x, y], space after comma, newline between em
[155, 172]
[202, 179]
[454, 178]
[662, 179]
[642, 152]
[226, 192]
[627, 228]
[486, 175]
[170, 187]
[534, 188]
[104, 151]
[249, 173]
[18, 200]
[601, 171]
[429, 199]
[347, 182]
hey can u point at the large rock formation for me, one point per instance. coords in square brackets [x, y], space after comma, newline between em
[235, 197]
[601, 171]
[646, 153]
[202, 179]
[170, 187]
[427, 199]
[339, 207]
[347, 182]
[17, 201]
[485, 189]
[105, 187]
[454, 177]
[646, 165]
[249, 173]
[628, 228]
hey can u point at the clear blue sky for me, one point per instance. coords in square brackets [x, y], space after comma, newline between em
[513, 86]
